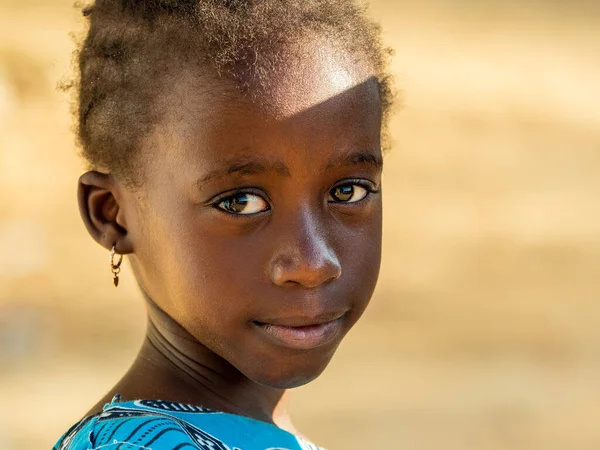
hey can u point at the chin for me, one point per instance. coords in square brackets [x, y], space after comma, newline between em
[290, 372]
[289, 382]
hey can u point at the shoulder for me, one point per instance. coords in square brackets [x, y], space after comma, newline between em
[128, 429]
[157, 425]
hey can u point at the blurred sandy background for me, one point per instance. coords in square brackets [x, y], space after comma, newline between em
[484, 332]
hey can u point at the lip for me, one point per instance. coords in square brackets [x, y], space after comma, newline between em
[302, 333]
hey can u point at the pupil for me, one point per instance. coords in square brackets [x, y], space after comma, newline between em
[344, 193]
[237, 204]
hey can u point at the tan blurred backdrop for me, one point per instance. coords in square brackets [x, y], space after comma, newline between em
[484, 332]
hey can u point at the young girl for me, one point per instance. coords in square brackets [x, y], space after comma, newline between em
[235, 157]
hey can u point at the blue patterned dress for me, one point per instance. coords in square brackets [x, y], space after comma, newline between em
[160, 425]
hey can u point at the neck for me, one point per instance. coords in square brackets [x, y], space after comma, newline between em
[174, 366]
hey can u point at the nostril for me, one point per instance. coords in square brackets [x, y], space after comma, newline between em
[309, 274]
[303, 255]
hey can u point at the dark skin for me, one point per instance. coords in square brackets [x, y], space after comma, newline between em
[250, 213]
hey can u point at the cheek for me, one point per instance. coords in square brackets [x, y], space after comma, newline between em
[361, 258]
[213, 274]
[358, 237]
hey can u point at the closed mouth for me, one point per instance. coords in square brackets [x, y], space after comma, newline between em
[302, 321]
[302, 333]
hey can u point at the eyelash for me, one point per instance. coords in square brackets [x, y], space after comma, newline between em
[231, 195]
[362, 183]
[238, 193]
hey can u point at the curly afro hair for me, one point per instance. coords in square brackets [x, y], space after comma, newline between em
[131, 45]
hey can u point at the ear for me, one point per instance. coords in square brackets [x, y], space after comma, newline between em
[103, 216]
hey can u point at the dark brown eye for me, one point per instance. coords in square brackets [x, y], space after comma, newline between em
[348, 193]
[244, 204]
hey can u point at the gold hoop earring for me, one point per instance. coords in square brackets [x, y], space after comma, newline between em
[115, 268]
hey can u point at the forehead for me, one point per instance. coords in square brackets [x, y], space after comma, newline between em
[318, 98]
[303, 76]
[281, 82]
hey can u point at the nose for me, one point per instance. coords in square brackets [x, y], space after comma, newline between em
[303, 255]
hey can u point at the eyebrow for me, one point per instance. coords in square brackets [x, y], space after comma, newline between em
[255, 165]
[355, 158]
[245, 166]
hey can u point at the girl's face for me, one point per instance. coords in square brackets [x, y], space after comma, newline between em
[259, 231]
